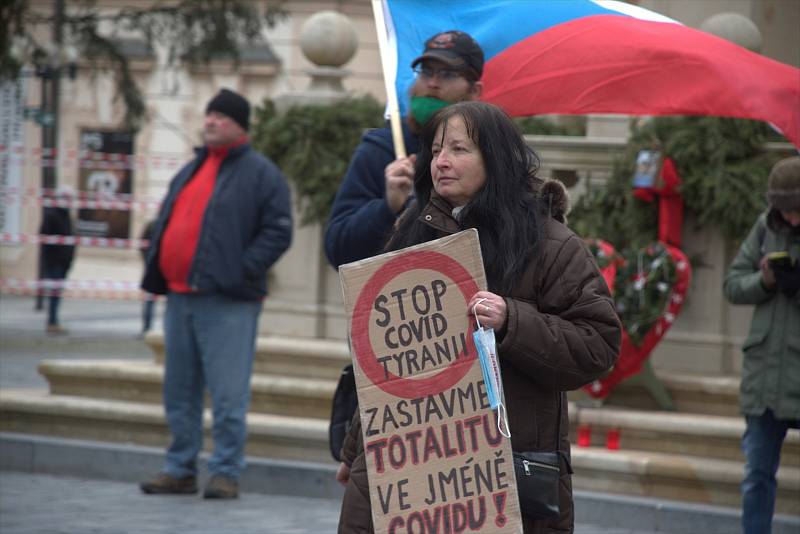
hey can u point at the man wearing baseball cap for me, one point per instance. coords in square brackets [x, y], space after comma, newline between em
[225, 221]
[374, 192]
[377, 185]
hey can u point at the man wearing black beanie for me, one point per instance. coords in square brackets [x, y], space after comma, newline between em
[225, 221]
[232, 105]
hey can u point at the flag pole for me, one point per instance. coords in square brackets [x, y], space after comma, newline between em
[391, 93]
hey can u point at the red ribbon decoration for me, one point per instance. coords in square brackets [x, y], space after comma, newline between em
[670, 203]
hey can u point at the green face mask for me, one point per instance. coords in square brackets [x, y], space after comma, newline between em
[423, 108]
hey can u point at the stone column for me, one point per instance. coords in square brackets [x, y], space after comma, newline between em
[305, 298]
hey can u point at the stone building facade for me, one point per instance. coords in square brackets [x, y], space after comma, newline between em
[306, 300]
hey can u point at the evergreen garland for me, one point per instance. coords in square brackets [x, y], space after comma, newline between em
[723, 165]
[642, 285]
[313, 146]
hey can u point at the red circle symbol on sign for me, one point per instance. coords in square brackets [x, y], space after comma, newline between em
[409, 388]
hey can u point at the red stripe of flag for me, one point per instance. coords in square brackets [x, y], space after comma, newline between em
[613, 64]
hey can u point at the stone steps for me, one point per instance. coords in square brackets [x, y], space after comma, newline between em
[672, 476]
[667, 432]
[631, 472]
[314, 358]
[283, 356]
[692, 454]
[712, 395]
[37, 412]
[689, 434]
[143, 382]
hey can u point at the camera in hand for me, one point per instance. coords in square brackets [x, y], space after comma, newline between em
[779, 260]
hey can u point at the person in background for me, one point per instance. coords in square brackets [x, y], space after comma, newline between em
[149, 302]
[38, 303]
[766, 274]
[225, 221]
[56, 259]
[378, 185]
[548, 304]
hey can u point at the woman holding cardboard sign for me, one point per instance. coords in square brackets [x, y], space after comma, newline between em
[553, 319]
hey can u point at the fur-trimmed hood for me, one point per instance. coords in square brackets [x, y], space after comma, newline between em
[554, 197]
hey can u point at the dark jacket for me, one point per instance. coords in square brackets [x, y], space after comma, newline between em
[246, 227]
[56, 259]
[771, 364]
[147, 235]
[562, 332]
[360, 219]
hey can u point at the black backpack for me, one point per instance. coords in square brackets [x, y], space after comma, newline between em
[345, 404]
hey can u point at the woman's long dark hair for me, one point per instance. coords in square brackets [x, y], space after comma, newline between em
[505, 211]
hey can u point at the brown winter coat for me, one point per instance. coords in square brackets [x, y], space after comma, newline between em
[562, 332]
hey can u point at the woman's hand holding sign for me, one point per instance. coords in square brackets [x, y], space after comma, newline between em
[491, 310]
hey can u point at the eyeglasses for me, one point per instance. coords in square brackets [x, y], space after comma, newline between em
[445, 75]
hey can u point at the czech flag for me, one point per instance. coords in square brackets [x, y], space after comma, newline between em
[598, 56]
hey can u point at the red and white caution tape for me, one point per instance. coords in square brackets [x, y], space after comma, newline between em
[81, 200]
[109, 204]
[81, 241]
[85, 195]
[88, 159]
[87, 289]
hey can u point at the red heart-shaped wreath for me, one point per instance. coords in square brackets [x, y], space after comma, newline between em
[649, 287]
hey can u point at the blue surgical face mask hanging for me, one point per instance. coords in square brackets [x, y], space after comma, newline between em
[490, 366]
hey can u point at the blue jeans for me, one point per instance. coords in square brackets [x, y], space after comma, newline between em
[148, 308]
[761, 445]
[210, 340]
[52, 308]
[53, 274]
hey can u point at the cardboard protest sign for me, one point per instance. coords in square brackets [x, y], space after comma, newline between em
[435, 458]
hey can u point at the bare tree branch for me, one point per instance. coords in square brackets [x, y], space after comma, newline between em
[192, 31]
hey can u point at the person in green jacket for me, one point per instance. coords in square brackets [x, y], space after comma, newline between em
[766, 273]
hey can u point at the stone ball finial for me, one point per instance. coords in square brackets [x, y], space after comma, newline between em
[735, 28]
[328, 39]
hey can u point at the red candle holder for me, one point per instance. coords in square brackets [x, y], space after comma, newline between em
[584, 435]
[612, 439]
